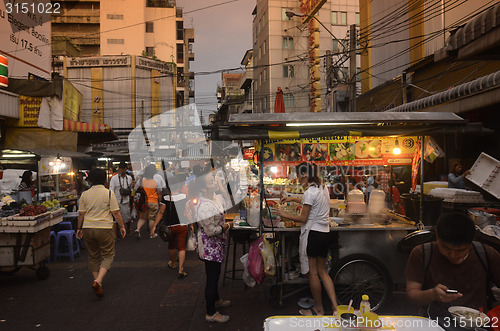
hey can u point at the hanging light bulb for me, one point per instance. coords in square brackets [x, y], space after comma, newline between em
[396, 149]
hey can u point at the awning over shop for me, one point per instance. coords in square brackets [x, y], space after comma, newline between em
[308, 125]
[10, 104]
[85, 127]
[90, 132]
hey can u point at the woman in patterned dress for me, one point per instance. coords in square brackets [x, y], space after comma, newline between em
[211, 238]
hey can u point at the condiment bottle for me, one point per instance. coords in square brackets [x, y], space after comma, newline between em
[364, 306]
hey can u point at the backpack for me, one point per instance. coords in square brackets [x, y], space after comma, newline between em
[140, 200]
[483, 258]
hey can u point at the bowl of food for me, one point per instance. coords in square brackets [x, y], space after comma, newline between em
[467, 317]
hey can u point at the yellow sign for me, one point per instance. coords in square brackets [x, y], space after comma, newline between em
[29, 110]
[72, 102]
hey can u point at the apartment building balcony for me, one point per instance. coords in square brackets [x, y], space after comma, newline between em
[246, 79]
[191, 56]
[91, 19]
[246, 107]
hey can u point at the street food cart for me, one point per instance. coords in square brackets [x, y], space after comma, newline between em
[25, 242]
[364, 254]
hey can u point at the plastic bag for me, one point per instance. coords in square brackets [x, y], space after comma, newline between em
[191, 242]
[432, 150]
[255, 263]
[266, 250]
[247, 278]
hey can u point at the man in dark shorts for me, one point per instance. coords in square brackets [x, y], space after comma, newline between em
[452, 262]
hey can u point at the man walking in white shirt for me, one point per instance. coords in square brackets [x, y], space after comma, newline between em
[121, 185]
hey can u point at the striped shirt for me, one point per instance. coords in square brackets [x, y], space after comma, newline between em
[98, 202]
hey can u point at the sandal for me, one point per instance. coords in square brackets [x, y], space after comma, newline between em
[171, 265]
[97, 289]
[217, 317]
[183, 275]
[222, 303]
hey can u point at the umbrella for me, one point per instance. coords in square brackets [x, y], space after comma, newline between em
[279, 103]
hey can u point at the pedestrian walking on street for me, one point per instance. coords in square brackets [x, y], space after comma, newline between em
[153, 194]
[211, 238]
[172, 213]
[121, 185]
[98, 205]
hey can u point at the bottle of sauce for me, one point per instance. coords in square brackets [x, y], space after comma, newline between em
[364, 306]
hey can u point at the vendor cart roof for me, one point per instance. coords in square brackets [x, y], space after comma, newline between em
[308, 125]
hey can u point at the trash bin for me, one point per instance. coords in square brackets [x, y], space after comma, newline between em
[408, 205]
[432, 209]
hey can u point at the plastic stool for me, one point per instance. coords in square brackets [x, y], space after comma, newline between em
[52, 246]
[71, 243]
[62, 226]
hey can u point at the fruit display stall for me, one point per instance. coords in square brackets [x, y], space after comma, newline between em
[25, 235]
[56, 179]
[365, 257]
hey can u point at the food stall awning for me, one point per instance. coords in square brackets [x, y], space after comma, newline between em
[276, 126]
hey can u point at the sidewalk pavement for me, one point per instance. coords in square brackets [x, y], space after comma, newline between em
[140, 293]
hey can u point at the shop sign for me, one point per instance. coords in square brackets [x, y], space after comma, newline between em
[29, 110]
[4, 71]
[146, 63]
[103, 61]
[25, 30]
[54, 165]
[72, 102]
[248, 153]
[341, 151]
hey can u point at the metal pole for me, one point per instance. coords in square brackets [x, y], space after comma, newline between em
[352, 67]
[422, 179]
[261, 184]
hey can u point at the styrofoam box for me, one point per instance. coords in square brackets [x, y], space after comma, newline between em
[485, 174]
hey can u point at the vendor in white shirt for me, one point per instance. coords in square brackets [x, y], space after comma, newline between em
[314, 235]
[121, 185]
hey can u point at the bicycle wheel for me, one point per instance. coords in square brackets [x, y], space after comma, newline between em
[359, 274]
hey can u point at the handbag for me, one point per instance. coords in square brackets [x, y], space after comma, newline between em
[191, 242]
[165, 232]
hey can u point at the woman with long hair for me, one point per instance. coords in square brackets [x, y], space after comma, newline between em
[456, 177]
[314, 235]
[211, 238]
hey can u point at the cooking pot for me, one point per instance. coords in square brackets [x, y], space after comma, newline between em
[482, 218]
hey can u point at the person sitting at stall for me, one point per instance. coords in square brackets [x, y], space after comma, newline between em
[456, 176]
[452, 262]
[314, 235]
[27, 182]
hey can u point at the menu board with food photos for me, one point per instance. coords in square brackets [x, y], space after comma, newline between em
[341, 151]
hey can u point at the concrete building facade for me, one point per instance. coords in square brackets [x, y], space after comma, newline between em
[150, 28]
[280, 52]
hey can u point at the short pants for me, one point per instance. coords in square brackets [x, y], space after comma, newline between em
[317, 244]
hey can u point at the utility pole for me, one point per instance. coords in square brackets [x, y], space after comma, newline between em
[352, 67]
[403, 82]
[329, 80]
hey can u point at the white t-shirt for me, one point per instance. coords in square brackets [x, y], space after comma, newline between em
[319, 200]
[114, 185]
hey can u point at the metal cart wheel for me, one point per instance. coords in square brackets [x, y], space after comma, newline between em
[359, 274]
[42, 272]
[8, 270]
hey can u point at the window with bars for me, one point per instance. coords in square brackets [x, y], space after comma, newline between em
[287, 42]
[289, 99]
[339, 18]
[116, 41]
[115, 17]
[288, 71]
[149, 27]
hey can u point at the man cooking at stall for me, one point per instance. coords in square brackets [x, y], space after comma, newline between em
[453, 270]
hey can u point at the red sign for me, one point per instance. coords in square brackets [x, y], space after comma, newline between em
[248, 153]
